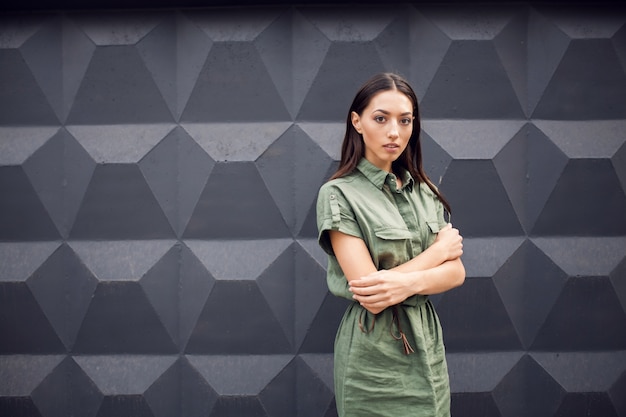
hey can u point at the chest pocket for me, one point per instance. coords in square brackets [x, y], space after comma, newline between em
[391, 247]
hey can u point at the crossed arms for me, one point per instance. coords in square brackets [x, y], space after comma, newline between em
[436, 270]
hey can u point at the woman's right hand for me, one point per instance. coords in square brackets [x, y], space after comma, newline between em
[450, 242]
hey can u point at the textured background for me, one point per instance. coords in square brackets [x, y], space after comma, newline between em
[158, 174]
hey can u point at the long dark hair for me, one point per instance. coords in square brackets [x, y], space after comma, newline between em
[353, 149]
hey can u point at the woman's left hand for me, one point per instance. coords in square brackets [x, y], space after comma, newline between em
[380, 289]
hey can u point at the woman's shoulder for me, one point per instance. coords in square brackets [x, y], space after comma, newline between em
[341, 183]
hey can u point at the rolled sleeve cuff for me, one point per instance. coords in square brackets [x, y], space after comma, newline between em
[344, 226]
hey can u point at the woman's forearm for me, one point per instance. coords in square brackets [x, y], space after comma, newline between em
[385, 288]
[441, 278]
[430, 258]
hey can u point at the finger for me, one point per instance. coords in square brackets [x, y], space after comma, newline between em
[359, 283]
[363, 291]
[366, 281]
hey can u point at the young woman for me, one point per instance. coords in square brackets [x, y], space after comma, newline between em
[381, 221]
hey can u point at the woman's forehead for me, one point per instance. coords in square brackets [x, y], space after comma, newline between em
[391, 100]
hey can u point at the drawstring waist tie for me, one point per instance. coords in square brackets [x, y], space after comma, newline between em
[395, 322]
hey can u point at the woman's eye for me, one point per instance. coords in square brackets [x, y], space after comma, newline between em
[379, 119]
[405, 121]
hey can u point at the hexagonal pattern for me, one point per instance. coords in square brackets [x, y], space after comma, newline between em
[158, 178]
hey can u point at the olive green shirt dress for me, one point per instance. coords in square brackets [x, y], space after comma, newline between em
[375, 373]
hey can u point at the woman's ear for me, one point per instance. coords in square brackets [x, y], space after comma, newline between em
[356, 121]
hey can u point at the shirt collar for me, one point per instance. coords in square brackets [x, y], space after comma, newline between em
[378, 176]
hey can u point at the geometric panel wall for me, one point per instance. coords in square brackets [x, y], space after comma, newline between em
[158, 176]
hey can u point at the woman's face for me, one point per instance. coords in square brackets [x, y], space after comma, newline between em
[386, 125]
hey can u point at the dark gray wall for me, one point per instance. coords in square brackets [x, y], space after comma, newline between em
[158, 173]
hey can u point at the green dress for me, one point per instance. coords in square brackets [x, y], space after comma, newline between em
[374, 374]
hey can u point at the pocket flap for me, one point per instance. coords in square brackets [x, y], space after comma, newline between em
[391, 233]
[434, 226]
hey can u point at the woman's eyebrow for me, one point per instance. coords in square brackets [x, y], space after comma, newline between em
[408, 113]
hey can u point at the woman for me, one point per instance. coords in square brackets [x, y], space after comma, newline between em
[381, 221]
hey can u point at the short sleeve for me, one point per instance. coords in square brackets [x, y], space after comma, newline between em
[334, 213]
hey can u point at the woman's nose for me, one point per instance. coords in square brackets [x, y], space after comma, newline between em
[393, 131]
